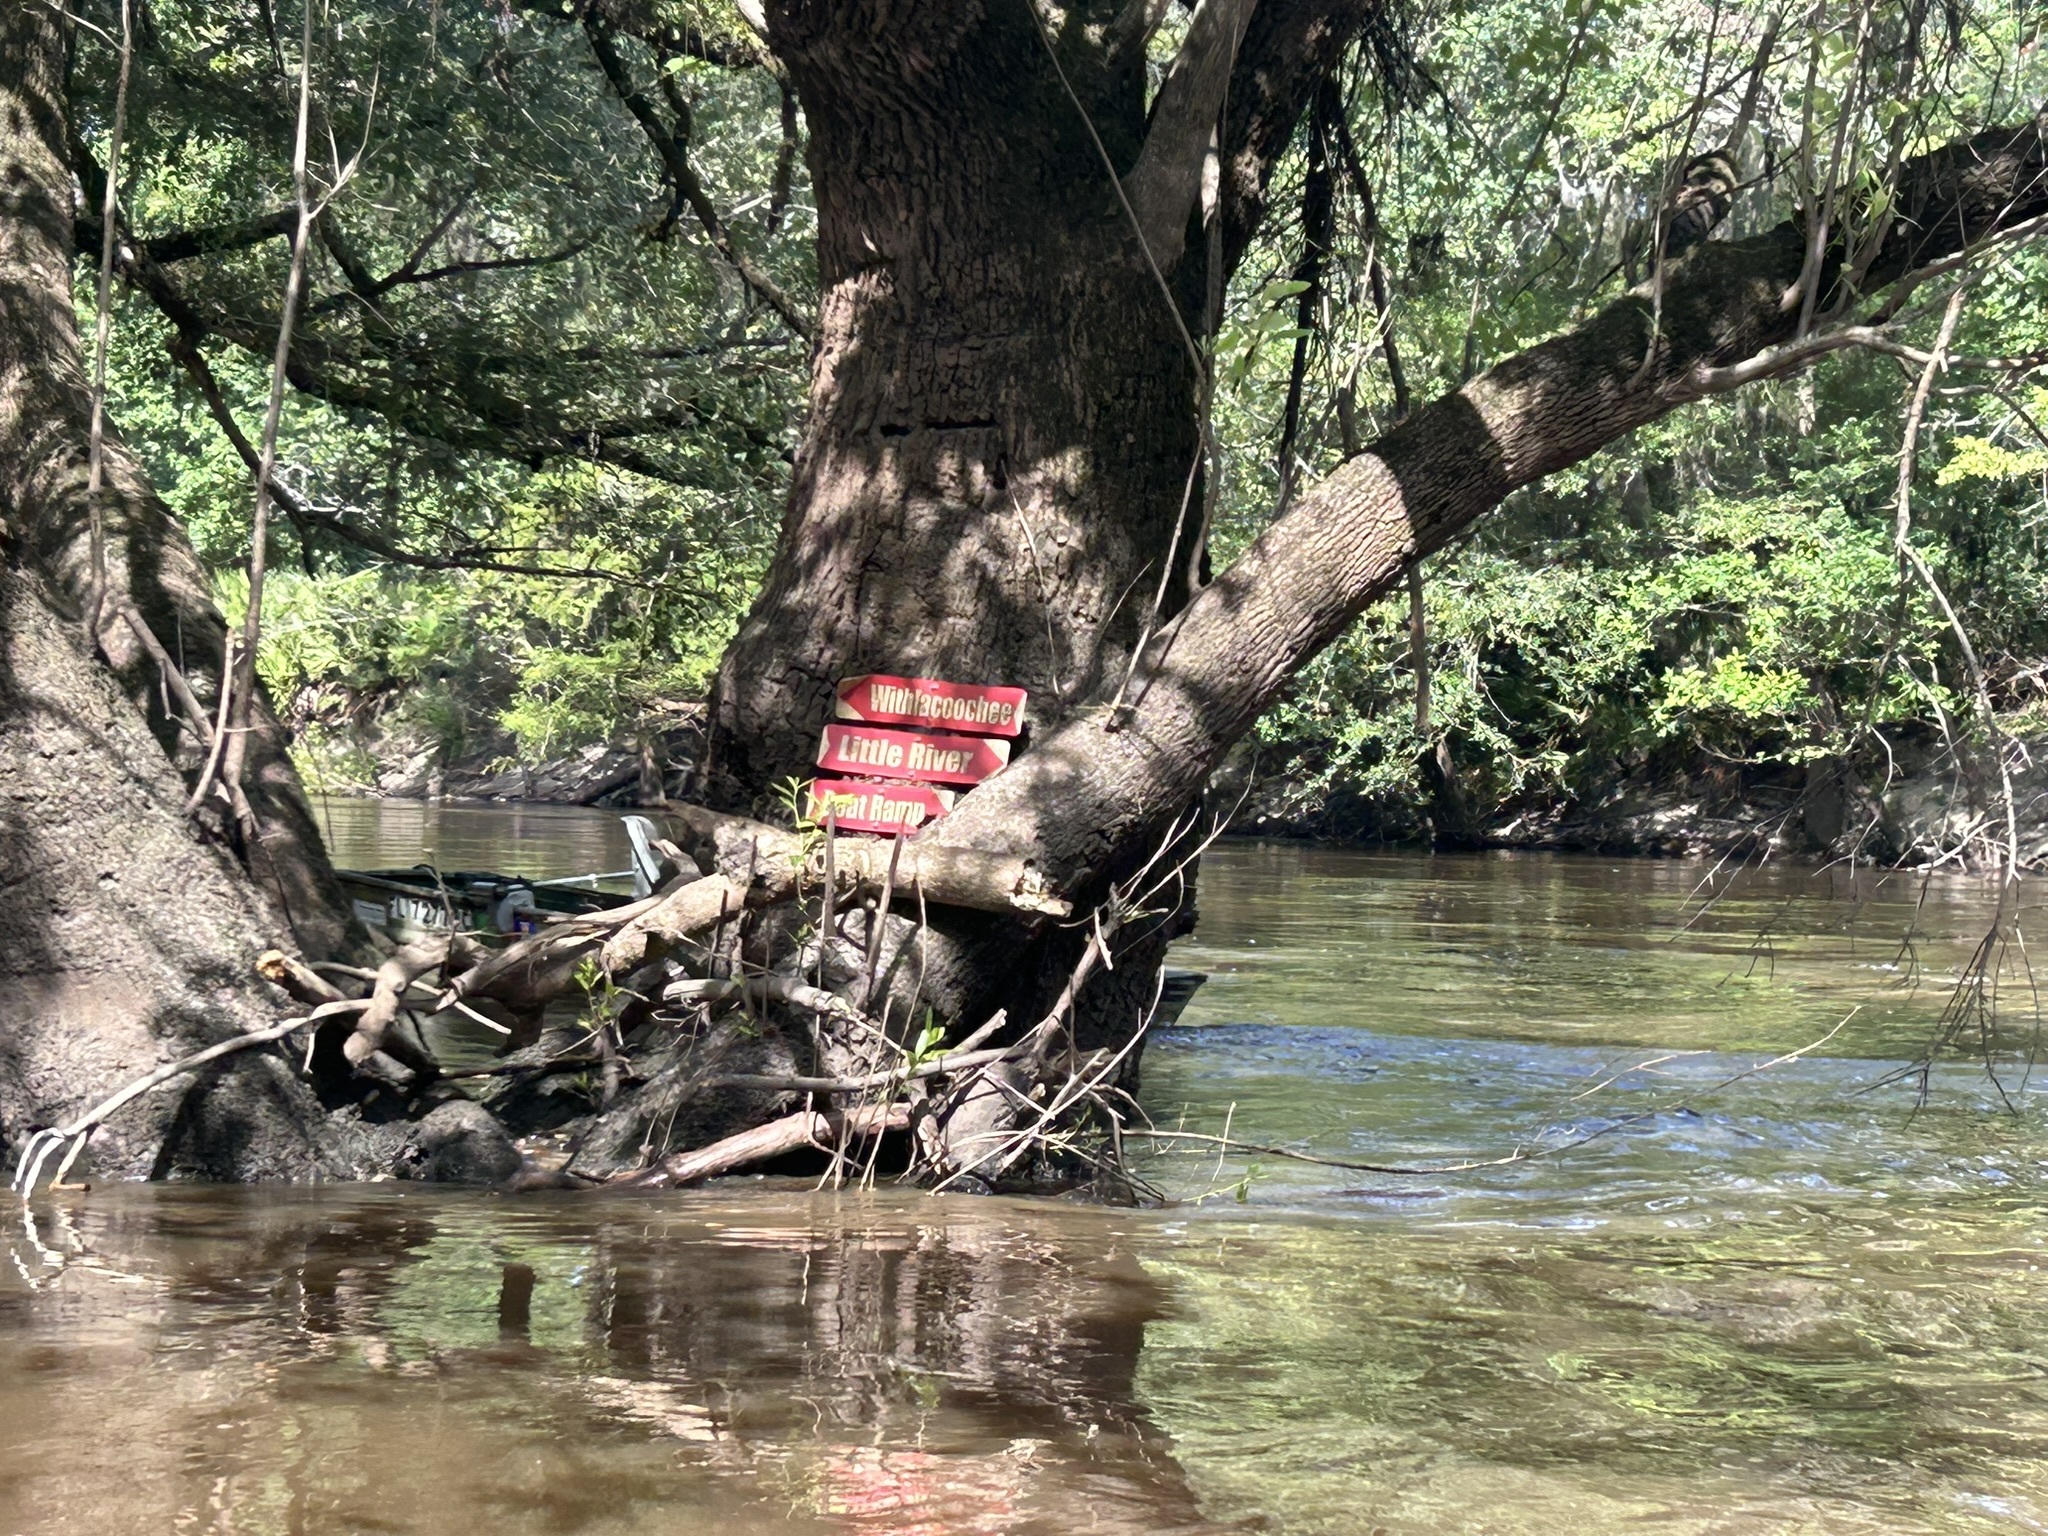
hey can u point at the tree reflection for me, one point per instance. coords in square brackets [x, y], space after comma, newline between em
[407, 1361]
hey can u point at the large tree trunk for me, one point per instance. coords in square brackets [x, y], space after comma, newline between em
[124, 937]
[1002, 414]
[995, 361]
[1004, 433]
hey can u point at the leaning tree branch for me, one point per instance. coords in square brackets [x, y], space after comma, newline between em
[1095, 789]
[1165, 183]
[673, 147]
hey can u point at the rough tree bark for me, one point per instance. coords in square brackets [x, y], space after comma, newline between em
[1001, 408]
[994, 358]
[124, 937]
[1003, 433]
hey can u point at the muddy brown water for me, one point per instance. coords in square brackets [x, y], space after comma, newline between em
[1788, 1304]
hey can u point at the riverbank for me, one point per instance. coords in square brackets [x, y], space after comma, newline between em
[1921, 807]
[1917, 808]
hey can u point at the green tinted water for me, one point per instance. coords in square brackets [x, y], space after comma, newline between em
[1789, 1305]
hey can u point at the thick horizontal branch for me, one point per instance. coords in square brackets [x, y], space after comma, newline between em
[1105, 783]
[771, 861]
[185, 244]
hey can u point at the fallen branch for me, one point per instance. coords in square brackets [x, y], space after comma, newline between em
[949, 877]
[959, 1061]
[820, 1129]
[537, 970]
[687, 911]
[79, 1131]
[776, 989]
[373, 1028]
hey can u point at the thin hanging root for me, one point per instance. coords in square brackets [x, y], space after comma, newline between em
[45, 1142]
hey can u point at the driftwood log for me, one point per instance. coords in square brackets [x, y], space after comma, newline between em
[819, 1129]
[773, 862]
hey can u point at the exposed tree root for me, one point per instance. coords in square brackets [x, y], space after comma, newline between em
[662, 1042]
[28, 1172]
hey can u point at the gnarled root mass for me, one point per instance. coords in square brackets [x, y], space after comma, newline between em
[761, 1007]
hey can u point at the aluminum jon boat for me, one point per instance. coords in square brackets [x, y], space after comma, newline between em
[407, 905]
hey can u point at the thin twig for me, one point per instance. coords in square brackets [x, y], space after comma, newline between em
[103, 332]
[44, 1142]
[240, 682]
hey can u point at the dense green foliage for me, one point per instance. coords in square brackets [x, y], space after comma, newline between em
[618, 405]
[1721, 590]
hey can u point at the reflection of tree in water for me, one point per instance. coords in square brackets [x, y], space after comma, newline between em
[931, 1366]
[954, 1357]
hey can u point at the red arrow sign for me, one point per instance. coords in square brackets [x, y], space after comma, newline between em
[858, 806]
[982, 708]
[878, 753]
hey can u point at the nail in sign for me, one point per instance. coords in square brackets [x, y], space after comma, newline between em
[858, 806]
[983, 708]
[877, 752]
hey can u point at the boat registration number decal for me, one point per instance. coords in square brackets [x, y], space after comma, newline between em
[419, 912]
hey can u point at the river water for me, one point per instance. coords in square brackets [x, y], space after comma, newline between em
[1783, 1303]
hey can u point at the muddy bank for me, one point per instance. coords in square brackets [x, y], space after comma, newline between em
[1923, 805]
